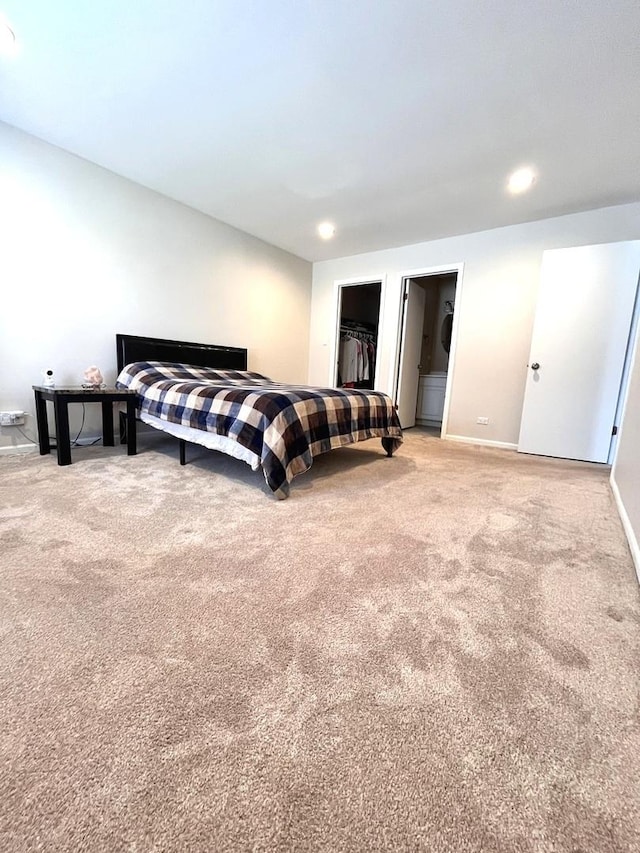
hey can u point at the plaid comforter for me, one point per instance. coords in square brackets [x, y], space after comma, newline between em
[284, 425]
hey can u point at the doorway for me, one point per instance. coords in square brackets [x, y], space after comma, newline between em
[356, 351]
[425, 355]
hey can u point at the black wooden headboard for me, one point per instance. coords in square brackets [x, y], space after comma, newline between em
[136, 348]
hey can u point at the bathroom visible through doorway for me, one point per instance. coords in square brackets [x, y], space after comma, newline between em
[425, 353]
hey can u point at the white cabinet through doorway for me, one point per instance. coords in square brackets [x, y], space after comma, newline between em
[431, 393]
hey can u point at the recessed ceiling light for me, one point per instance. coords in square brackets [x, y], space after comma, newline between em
[7, 38]
[521, 180]
[326, 230]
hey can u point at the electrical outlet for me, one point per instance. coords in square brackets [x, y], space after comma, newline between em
[11, 418]
[483, 421]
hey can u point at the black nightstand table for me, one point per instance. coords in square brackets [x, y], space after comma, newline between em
[61, 396]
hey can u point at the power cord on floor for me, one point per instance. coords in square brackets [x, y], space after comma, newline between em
[53, 440]
[28, 437]
[74, 443]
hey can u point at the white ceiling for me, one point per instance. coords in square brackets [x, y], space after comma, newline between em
[398, 120]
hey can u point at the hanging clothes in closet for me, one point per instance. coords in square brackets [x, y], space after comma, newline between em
[356, 357]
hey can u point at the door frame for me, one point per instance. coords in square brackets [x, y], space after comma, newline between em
[424, 273]
[338, 284]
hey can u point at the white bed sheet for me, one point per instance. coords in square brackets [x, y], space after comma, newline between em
[206, 439]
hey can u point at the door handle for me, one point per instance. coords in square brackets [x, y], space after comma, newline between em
[535, 366]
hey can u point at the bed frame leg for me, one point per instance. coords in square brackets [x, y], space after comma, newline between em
[183, 451]
[387, 443]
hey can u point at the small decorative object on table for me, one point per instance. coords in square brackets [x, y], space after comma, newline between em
[48, 380]
[93, 378]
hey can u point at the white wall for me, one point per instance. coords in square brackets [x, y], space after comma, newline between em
[494, 315]
[86, 254]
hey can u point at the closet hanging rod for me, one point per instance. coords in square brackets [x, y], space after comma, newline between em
[354, 333]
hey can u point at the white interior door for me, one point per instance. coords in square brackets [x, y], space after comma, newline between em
[580, 334]
[411, 350]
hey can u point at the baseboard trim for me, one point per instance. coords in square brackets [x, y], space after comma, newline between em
[485, 442]
[634, 546]
[14, 449]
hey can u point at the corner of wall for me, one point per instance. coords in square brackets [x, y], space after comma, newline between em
[634, 545]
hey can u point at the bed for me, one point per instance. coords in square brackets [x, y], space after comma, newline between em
[204, 394]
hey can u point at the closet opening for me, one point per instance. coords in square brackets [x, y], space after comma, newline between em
[357, 342]
[425, 356]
